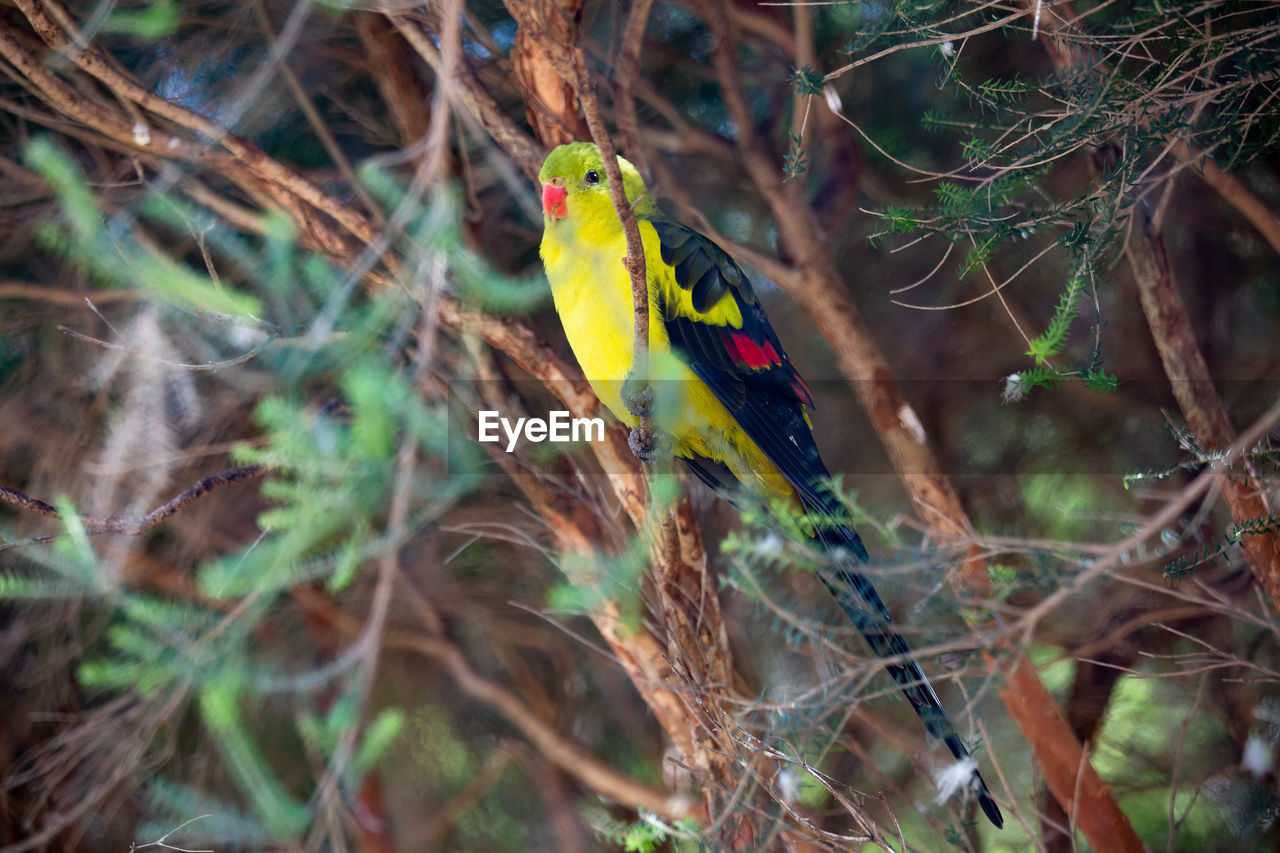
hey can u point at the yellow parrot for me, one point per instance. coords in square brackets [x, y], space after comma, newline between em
[733, 407]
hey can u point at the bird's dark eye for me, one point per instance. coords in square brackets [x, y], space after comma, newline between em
[591, 177]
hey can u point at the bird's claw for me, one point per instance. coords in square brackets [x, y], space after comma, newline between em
[637, 396]
[644, 445]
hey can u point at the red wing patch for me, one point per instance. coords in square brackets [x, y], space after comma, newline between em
[747, 352]
[758, 358]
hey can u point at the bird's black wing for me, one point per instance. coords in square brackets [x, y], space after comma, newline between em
[747, 369]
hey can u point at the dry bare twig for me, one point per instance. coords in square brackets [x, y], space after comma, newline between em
[129, 525]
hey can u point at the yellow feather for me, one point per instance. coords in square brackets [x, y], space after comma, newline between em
[582, 254]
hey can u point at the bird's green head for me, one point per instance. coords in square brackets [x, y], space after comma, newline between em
[575, 186]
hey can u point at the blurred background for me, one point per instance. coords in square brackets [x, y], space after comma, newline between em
[261, 262]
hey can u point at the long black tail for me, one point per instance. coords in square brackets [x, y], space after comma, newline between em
[851, 589]
[862, 604]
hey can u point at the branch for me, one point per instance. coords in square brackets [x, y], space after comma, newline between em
[314, 217]
[634, 261]
[1232, 191]
[44, 16]
[625, 96]
[1058, 34]
[1194, 390]
[128, 524]
[559, 750]
[58, 296]
[476, 100]
[1065, 764]
[541, 55]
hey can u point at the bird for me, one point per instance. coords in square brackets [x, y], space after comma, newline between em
[730, 404]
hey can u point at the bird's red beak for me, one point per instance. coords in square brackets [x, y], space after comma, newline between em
[554, 195]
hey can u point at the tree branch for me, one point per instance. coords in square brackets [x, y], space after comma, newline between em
[624, 92]
[1194, 390]
[1059, 36]
[634, 261]
[560, 751]
[128, 524]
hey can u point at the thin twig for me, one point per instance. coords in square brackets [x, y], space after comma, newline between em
[628, 71]
[129, 525]
[634, 260]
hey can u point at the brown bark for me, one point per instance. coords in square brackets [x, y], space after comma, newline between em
[544, 44]
[1091, 690]
[1194, 390]
[405, 95]
[1075, 785]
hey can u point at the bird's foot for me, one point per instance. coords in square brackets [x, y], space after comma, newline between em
[644, 444]
[637, 396]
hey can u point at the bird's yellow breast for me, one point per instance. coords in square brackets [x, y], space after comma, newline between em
[592, 293]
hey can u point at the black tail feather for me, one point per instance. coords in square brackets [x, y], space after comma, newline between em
[859, 599]
[866, 610]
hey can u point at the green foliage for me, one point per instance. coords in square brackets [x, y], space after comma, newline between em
[1269, 523]
[644, 838]
[807, 81]
[1206, 555]
[935, 121]
[977, 150]
[433, 234]
[154, 22]
[323, 733]
[15, 587]
[332, 470]
[378, 737]
[1019, 385]
[795, 162]
[646, 835]
[1014, 134]
[111, 253]
[901, 220]
[859, 517]
[979, 255]
[593, 580]
[1005, 92]
[1054, 338]
[284, 816]
[1210, 553]
[1002, 577]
